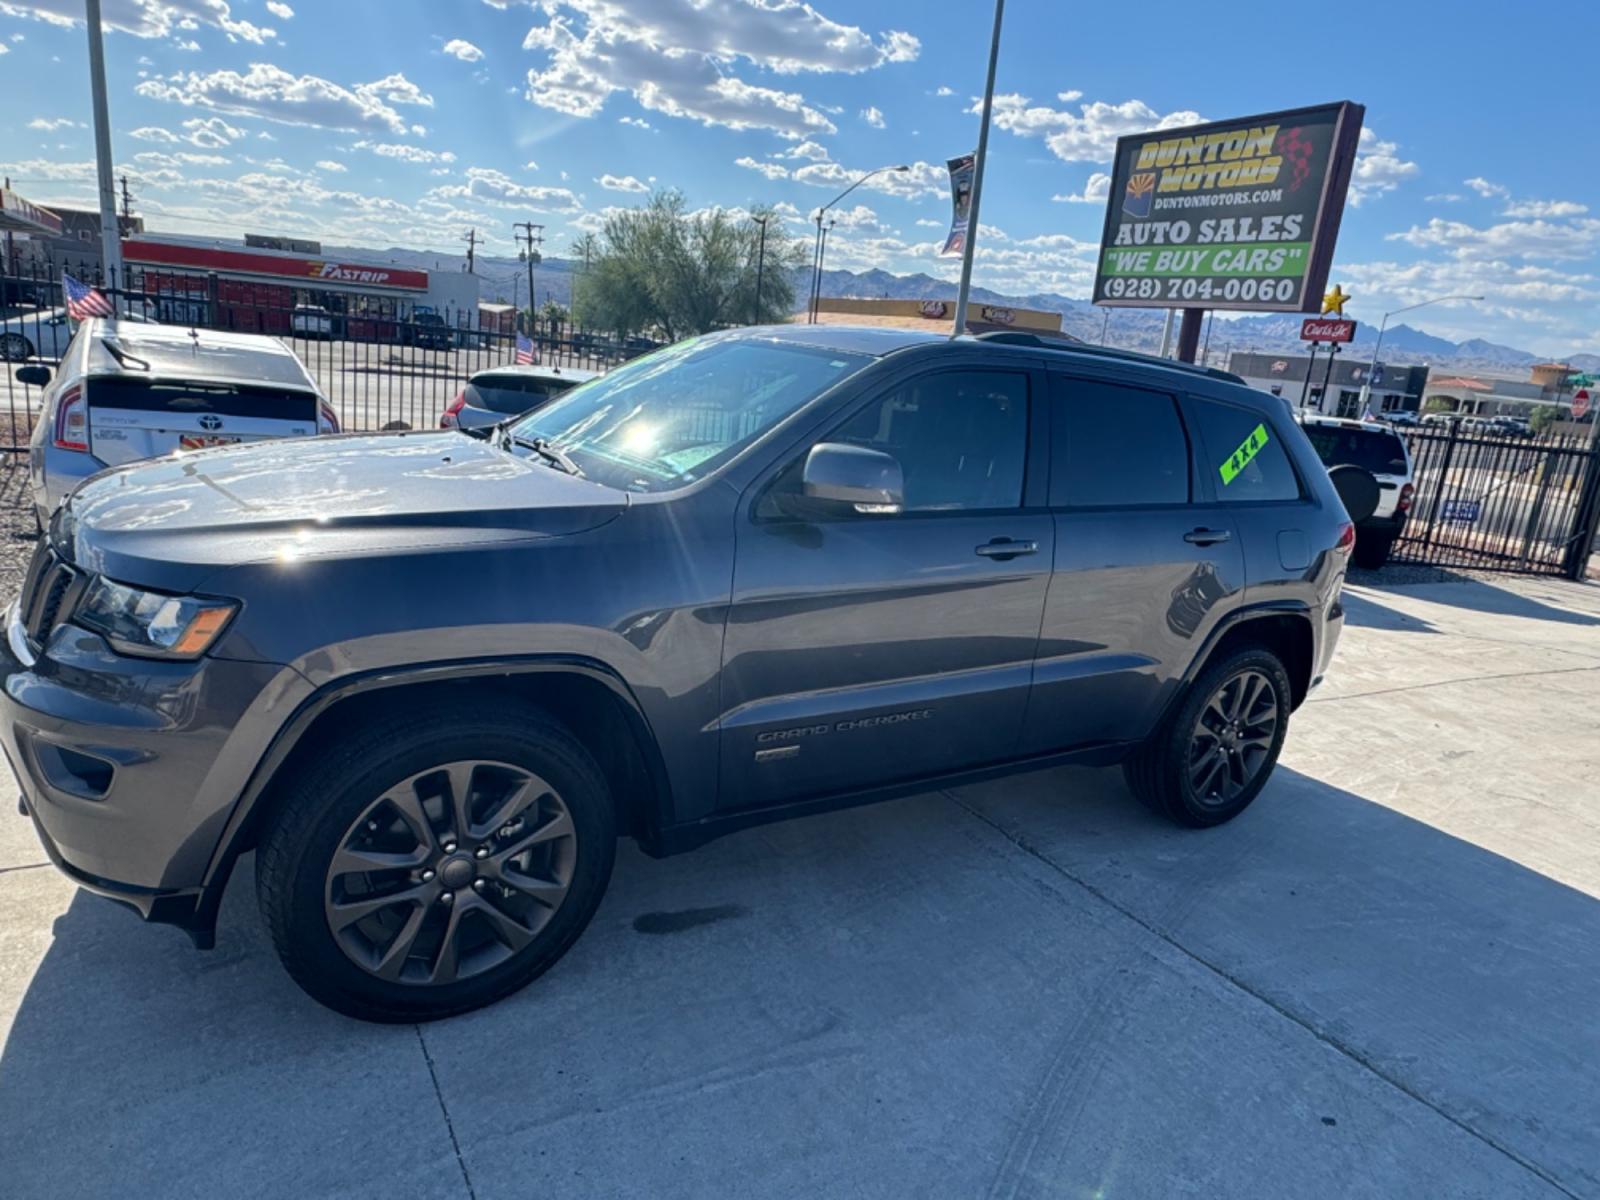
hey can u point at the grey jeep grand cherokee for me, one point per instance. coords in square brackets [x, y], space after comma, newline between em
[431, 679]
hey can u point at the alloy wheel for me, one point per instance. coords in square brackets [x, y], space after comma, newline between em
[450, 872]
[1233, 737]
[14, 347]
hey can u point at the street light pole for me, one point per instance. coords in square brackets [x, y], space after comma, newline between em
[761, 257]
[110, 234]
[1366, 386]
[817, 250]
[977, 177]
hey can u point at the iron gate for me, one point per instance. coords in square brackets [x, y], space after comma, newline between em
[1490, 502]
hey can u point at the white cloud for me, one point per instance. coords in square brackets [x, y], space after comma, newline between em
[327, 164]
[191, 46]
[1444, 198]
[1091, 134]
[407, 153]
[873, 116]
[489, 186]
[636, 122]
[1544, 208]
[810, 151]
[1379, 168]
[771, 170]
[4, 49]
[1538, 239]
[1068, 97]
[679, 57]
[273, 94]
[944, 91]
[860, 218]
[210, 132]
[622, 183]
[51, 124]
[145, 18]
[1485, 188]
[928, 223]
[279, 9]
[462, 49]
[1095, 191]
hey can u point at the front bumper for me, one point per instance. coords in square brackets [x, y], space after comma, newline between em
[130, 768]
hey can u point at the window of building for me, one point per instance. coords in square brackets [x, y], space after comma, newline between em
[1248, 461]
[1115, 446]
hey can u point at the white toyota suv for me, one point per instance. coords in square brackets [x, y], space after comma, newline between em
[1382, 451]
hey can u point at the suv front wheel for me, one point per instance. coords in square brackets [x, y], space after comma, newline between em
[1212, 756]
[434, 864]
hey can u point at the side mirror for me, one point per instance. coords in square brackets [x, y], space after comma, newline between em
[35, 375]
[868, 481]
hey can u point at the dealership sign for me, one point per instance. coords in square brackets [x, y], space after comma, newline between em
[1239, 214]
[1320, 329]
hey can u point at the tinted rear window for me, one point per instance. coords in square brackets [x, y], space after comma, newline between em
[512, 393]
[1116, 446]
[1375, 450]
[225, 399]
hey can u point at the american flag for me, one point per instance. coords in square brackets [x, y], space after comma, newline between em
[526, 354]
[83, 301]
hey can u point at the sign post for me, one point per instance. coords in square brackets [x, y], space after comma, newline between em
[1239, 214]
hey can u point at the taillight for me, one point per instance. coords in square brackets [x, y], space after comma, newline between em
[329, 417]
[1406, 493]
[448, 420]
[1347, 539]
[72, 420]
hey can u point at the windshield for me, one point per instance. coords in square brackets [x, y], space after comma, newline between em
[1374, 450]
[676, 415]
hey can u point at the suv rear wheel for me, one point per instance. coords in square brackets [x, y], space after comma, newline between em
[1212, 756]
[434, 865]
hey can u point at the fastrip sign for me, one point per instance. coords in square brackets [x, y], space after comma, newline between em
[1239, 214]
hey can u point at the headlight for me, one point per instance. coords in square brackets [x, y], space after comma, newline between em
[152, 624]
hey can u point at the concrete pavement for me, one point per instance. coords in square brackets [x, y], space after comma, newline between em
[1377, 982]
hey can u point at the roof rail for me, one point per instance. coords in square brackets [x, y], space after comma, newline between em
[1017, 337]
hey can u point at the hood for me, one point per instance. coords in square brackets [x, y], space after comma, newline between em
[171, 522]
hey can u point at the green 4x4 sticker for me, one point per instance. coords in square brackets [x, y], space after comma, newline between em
[1240, 458]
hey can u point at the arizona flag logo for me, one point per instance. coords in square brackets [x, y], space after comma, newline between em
[1141, 190]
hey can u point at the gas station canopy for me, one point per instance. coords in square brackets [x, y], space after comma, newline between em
[22, 216]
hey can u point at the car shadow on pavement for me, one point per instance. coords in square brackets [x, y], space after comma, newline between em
[1025, 987]
[1363, 609]
[1475, 595]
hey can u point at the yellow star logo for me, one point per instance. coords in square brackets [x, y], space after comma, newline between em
[1335, 301]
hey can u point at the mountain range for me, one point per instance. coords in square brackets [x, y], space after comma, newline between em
[1133, 328]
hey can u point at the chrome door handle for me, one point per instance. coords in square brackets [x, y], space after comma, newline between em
[1003, 548]
[1206, 537]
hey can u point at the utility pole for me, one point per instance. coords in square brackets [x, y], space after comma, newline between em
[1305, 388]
[532, 237]
[978, 163]
[127, 209]
[472, 241]
[761, 258]
[110, 239]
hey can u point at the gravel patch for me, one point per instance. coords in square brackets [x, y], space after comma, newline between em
[17, 531]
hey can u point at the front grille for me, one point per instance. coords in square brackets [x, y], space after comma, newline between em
[48, 593]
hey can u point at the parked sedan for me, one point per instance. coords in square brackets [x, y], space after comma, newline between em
[43, 333]
[311, 321]
[493, 395]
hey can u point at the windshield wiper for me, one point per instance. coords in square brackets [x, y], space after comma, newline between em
[122, 356]
[547, 450]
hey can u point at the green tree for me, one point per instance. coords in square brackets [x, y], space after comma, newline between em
[1542, 417]
[1438, 404]
[664, 270]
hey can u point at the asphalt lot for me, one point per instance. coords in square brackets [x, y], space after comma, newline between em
[1377, 982]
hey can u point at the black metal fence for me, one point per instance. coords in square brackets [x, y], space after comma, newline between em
[380, 364]
[1495, 503]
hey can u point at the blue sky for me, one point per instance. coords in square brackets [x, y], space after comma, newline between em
[407, 123]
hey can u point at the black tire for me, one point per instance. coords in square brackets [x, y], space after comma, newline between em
[1372, 550]
[1159, 771]
[14, 347]
[295, 856]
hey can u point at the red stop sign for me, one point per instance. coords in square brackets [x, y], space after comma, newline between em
[1580, 402]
